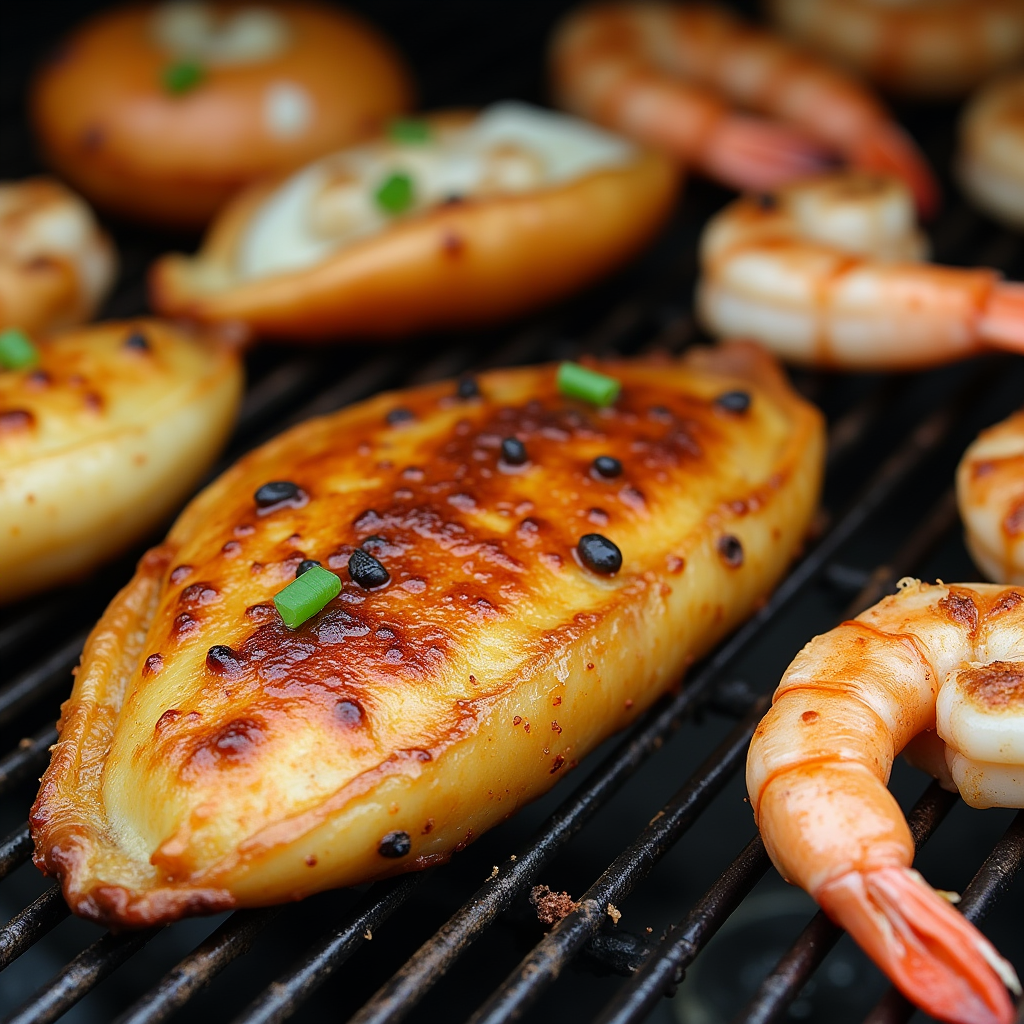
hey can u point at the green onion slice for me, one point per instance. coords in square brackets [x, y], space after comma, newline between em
[16, 350]
[409, 131]
[182, 77]
[578, 382]
[395, 194]
[306, 595]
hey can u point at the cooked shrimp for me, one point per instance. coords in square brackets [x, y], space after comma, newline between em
[671, 75]
[992, 149]
[820, 760]
[827, 272]
[990, 492]
[922, 48]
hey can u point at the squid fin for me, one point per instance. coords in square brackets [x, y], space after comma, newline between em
[932, 954]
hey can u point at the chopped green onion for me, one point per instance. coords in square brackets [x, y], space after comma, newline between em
[578, 382]
[410, 131]
[16, 350]
[182, 77]
[306, 595]
[395, 194]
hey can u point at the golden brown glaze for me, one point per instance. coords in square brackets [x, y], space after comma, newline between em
[102, 440]
[109, 125]
[283, 762]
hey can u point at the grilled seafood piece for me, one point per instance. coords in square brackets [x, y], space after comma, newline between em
[449, 221]
[161, 112]
[102, 436]
[520, 575]
[992, 149]
[828, 272]
[931, 657]
[934, 48]
[56, 265]
[675, 76]
[990, 493]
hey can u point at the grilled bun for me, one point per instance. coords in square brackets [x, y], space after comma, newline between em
[160, 113]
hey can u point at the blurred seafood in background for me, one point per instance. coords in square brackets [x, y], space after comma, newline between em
[924, 48]
[450, 220]
[680, 76]
[828, 272]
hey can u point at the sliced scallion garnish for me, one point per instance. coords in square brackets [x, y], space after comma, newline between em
[578, 382]
[16, 350]
[182, 77]
[306, 595]
[395, 194]
[410, 131]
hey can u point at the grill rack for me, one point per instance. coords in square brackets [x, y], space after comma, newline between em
[892, 443]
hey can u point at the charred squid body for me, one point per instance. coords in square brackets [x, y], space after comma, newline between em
[518, 574]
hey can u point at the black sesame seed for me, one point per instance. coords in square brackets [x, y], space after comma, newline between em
[366, 571]
[221, 659]
[275, 492]
[399, 415]
[599, 554]
[374, 543]
[137, 341]
[734, 401]
[767, 201]
[305, 565]
[607, 467]
[467, 388]
[453, 199]
[731, 550]
[513, 452]
[395, 844]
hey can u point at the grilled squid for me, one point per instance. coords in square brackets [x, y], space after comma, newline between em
[56, 265]
[452, 220]
[104, 431]
[384, 631]
[161, 112]
[941, 669]
[830, 272]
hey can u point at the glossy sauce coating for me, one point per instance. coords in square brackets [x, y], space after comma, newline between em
[244, 763]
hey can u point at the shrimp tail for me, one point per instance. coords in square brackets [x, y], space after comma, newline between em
[889, 150]
[751, 153]
[933, 955]
[1002, 320]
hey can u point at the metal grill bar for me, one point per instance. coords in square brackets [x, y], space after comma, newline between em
[24, 929]
[15, 849]
[31, 755]
[41, 680]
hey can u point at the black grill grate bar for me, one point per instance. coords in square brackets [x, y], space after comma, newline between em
[27, 927]
[542, 965]
[80, 976]
[659, 975]
[42, 679]
[15, 849]
[992, 880]
[279, 1001]
[31, 755]
[232, 939]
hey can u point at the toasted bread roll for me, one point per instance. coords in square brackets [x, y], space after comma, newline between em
[484, 639]
[161, 112]
[451, 221]
[56, 265]
[102, 439]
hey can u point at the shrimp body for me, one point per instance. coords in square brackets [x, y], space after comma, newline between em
[990, 493]
[820, 760]
[922, 48]
[828, 272]
[671, 75]
[991, 154]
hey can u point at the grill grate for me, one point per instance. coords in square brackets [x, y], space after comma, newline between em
[440, 945]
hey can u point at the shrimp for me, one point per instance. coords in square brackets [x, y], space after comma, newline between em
[828, 272]
[950, 657]
[925, 48]
[670, 75]
[991, 153]
[990, 493]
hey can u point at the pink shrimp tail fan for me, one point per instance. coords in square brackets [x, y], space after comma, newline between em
[932, 954]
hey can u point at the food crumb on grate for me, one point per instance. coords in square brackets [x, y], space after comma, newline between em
[948, 896]
[368, 935]
[494, 873]
[614, 913]
[551, 906]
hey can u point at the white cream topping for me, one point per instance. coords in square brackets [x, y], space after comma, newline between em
[509, 148]
[287, 109]
[195, 30]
